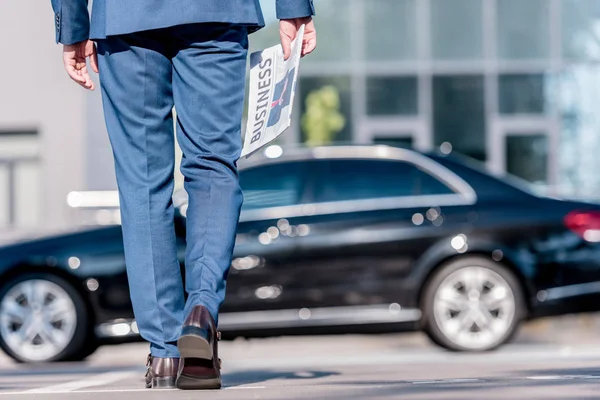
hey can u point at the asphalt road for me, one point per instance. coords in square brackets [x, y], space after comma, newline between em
[546, 361]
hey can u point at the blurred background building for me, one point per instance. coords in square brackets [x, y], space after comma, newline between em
[513, 83]
[510, 82]
[52, 135]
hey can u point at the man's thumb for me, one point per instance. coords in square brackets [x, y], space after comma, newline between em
[94, 61]
[286, 43]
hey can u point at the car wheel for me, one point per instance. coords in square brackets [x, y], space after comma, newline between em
[472, 304]
[42, 319]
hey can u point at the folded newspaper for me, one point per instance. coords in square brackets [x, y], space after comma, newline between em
[272, 90]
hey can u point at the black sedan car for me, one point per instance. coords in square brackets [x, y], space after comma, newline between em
[333, 239]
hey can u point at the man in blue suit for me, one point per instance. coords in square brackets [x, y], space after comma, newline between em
[154, 55]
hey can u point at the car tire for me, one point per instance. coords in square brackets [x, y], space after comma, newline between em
[59, 308]
[457, 320]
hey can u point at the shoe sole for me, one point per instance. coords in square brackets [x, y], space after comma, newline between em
[195, 347]
[162, 383]
[188, 382]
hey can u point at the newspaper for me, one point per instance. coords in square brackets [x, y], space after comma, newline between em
[272, 90]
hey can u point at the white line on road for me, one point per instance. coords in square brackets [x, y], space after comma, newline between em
[246, 387]
[561, 377]
[87, 391]
[75, 391]
[439, 381]
[545, 377]
[97, 380]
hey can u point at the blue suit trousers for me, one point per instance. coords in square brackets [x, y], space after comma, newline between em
[200, 70]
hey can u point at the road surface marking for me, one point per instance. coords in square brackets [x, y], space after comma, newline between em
[245, 387]
[97, 380]
[438, 381]
[67, 390]
[561, 377]
[545, 377]
[85, 391]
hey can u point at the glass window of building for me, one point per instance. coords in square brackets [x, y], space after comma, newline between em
[522, 93]
[459, 114]
[325, 107]
[343, 180]
[398, 140]
[581, 29]
[578, 98]
[20, 179]
[27, 193]
[392, 95]
[390, 29]
[334, 25]
[273, 185]
[527, 157]
[523, 29]
[457, 29]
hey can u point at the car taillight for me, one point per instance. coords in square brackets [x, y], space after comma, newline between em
[585, 224]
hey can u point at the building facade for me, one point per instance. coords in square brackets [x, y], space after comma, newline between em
[513, 83]
[52, 138]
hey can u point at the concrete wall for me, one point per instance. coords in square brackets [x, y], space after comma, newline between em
[99, 170]
[36, 95]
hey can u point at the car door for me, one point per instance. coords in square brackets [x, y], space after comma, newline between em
[264, 276]
[368, 222]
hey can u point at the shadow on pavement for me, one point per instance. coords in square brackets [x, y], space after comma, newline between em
[240, 378]
[535, 390]
[549, 383]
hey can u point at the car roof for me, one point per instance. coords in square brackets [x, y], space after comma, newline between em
[275, 154]
[281, 153]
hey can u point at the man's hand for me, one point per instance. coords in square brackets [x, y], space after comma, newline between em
[74, 58]
[288, 29]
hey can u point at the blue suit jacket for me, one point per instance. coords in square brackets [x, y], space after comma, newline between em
[117, 17]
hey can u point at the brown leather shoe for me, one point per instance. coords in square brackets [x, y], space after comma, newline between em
[200, 366]
[161, 373]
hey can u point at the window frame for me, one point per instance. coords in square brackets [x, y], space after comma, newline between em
[304, 183]
[503, 78]
[313, 172]
[465, 195]
[523, 126]
[528, 135]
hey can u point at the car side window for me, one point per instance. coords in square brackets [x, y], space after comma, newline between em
[430, 185]
[342, 180]
[272, 185]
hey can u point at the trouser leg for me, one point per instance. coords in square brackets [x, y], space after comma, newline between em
[136, 81]
[208, 87]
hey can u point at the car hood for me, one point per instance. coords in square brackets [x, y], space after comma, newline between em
[17, 246]
[24, 236]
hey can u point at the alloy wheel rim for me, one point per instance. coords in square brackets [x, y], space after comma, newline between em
[37, 319]
[474, 307]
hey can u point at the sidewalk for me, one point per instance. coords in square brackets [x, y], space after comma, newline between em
[567, 329]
